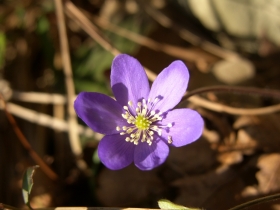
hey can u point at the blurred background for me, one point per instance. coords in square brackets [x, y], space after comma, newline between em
[229, 42]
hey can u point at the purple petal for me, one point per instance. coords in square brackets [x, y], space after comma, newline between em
[100, 112]
[129, 81]
[148, 157]
[114, 152]
[170, 86]
[187, 126]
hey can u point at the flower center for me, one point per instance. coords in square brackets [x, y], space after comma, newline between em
[143, 124]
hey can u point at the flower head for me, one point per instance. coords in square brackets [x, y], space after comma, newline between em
[139, 125]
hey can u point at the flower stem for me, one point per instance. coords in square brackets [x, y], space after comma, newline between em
[256, 201]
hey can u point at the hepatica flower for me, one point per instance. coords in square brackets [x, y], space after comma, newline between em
[140, 125]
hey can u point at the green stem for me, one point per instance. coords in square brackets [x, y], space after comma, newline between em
[256, 201]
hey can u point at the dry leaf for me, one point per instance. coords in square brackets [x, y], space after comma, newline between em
[263, 130]
[269, 174]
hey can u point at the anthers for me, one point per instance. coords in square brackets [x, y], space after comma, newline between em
[144, 123]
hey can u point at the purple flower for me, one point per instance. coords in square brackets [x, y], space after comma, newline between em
[139, 125]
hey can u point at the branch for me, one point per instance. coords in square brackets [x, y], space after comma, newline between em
[241, 90]
[42, 98]
[195, 40]
[75, 14]
[168, 49]
[70, 89]
[46, 120]
[256, 201]
[217, 107]
[45, 168]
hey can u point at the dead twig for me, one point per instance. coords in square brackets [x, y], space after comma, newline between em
[171, 50]
[70, 89]
[74, 13]
[256, 201]
[195, 40]
[41, 98]
[46, 120]
[241, 90]
[7, 207]
[45, 168]
[217, 107]
[232, 110]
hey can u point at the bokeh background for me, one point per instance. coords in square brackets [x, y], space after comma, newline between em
[222, 42]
